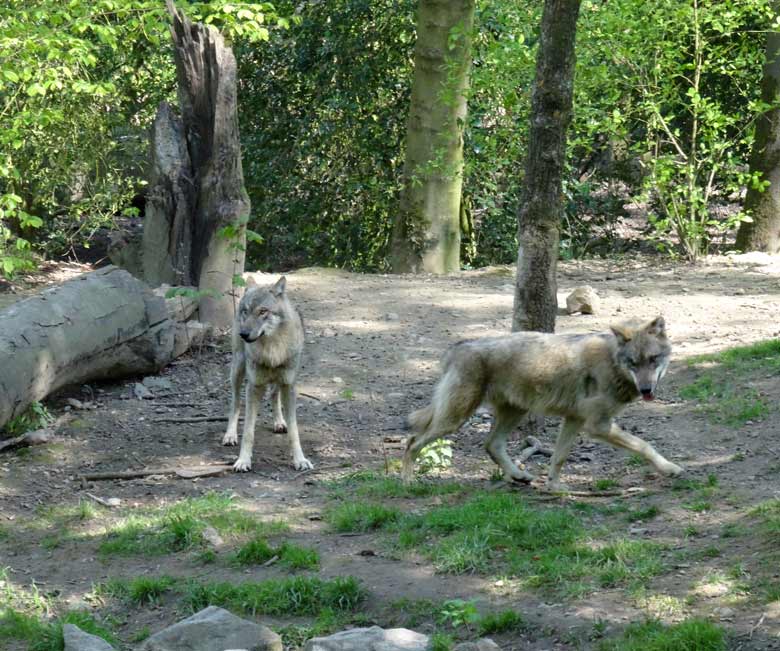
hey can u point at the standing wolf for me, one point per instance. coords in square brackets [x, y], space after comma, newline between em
[586, 379]
[267, 347]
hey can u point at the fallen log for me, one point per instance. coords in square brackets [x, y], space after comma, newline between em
[103, 325]
[184, 473]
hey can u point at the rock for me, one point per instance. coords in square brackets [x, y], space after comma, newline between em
[212, 537]
[370, 639]
[141, 392]
[78, 640]
[583, 299]
[214, 629]
[156, 383]
[485, 644]
[391, 316]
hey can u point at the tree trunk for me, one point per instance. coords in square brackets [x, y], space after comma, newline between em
[541, 210]
[195, 227]
[426, 232]
[763, 233]
[102, 325]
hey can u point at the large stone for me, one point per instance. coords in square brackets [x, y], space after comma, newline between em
[214, 629]
[370, 639]
[583, 299]
[78, 640]
[485, 644]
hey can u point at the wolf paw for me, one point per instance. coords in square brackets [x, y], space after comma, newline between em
[672, 469]
[520, 477]
[280, 427]
[230, 439]
[242, 465]
[302, 464]
[556, 486]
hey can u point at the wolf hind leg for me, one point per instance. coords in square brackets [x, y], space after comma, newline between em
[237, 373]
[453, 402]
[567, 437]
[505, 418]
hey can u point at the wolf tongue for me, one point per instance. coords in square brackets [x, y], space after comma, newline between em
[648, 397]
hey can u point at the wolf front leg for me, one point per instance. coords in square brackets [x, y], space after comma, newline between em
[617, 437]
[300, 462]
[237, 372]
[254, 396]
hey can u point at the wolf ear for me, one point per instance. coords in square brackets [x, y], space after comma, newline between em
[250, 282]
[622, 333]
[657, 327]
[278, 289]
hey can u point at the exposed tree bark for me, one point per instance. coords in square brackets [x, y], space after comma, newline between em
[763, 233]
[197, 185]
[542, 205]
[426, 231]
[102, 325]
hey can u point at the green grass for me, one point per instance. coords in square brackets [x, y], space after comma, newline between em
[371, 484]
[690, 635]
[43, 635]
[257, 551]
[141, 591]
[503, 622]
[604, 484]
[643, 514]
[768, 513]
[723, 387]
[180, 527]
[300, 595]
[545, 547]
[441, 642]
[360, 516]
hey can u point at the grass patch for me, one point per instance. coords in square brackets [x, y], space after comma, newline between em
[546, 547]
[723, 386]
[604, 484]
[258, 551]
[643, 515]
[690, 635]
[503, 622]
[180, 527]
[141, 591]
[300, 595]
[441, 642]
[371, 484]
[360, 516]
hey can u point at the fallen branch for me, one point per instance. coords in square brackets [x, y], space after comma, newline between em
[533, 446]
[191, 419]
[184, 473]
[110, 502]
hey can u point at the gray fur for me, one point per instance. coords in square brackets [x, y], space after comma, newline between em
[586, 379]
[267, 348]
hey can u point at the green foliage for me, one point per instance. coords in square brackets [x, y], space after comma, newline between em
[36, 417]
[457, 612]
[43, 635]
[79, 84]
[258, 551]
[435, 456]
[441, 642]
[692, 635]
[142, 590]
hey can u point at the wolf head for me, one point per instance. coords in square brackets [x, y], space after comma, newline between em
[643, 352]
[261, 311]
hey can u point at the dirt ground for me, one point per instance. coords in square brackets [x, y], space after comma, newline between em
[372, 349]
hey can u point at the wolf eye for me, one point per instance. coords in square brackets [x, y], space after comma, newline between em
[653, 360]
[263, 311]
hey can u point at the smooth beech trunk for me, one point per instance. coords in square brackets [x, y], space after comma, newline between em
[426, 231]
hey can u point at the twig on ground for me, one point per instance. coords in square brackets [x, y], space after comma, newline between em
[309, 395]
[36, 437]
[191, 419]
[185, 473]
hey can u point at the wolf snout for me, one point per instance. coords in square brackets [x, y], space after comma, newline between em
[647, 393]
[245, 335]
